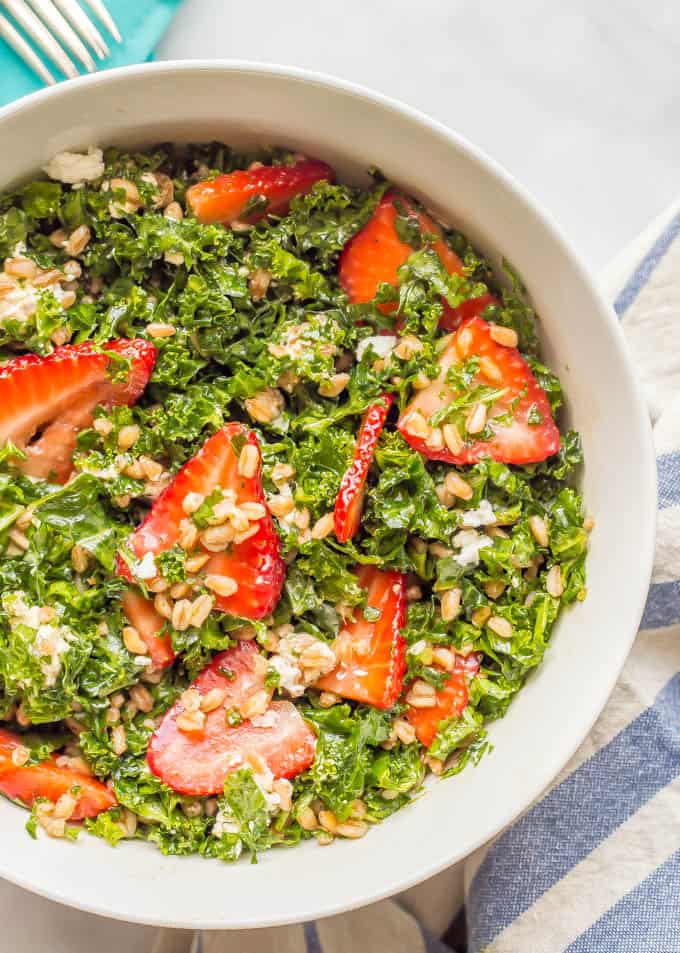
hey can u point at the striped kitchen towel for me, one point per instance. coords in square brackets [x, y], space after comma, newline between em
[594, 865]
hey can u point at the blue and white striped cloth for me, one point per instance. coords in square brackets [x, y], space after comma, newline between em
[594, 865]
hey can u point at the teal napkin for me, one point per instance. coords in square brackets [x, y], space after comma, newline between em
[141, 23]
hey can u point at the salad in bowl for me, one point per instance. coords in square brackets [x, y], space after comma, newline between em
[286, 510]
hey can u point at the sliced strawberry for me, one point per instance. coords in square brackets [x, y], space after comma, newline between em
[516, 440]
[197, 762]
[46, 401]
[227, 197]
[372, 654]
[141, 614]
[50, 781]
[255, 563]
[349, 502]
[451, 700]
[376, 253]
[472, 308]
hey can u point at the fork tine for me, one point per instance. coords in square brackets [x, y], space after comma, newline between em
[82, 23]
[40, 35]
[26, 52]
[100, 10]
[53, 18]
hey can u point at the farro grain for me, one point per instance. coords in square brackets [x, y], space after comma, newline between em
[212, 699]
[553, 581]
[221, 585]
[133, 641]
[502, 627]
[248, 461]
[77, 241]
[506, 337]
[450, 604]
[539, 529]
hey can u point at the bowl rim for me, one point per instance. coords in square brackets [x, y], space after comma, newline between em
[553, 760]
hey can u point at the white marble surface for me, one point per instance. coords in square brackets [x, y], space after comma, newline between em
[578, 99]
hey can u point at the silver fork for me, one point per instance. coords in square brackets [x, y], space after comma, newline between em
[50, 23]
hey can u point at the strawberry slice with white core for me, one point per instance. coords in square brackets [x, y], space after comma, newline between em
[198, 761]
[46, 401]
[370, 648]
[350, 498]
[242, 546]
[514, 426]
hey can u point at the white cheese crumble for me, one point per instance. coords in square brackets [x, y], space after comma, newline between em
[225, 824]
[482, 516]
[19, 304]
[290, 675]
[264, 779]
[104, 473]
[50, 641]
[20, 612]
[146, 567]
[76, 167]
[267, 720]
[470, 542]
[381, 344]
[301, 660]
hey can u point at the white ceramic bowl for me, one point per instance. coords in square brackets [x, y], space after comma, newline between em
[352, 128]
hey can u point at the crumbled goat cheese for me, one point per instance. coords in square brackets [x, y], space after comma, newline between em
[225, 824]
[104, 473]
[483, 516]
[146, 567]
[58, 292]
[301, 659]
[19, 304]
[19, 612]
[290, 675]
[76, 167]
[470, 542]
[380, 344]
[267, 720]
[264, 779]
[51, 642]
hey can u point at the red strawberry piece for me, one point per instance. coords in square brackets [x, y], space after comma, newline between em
[46, 401]
[254, 563]
[227, 198]
[141, 614]
[516, 441]
[375, 254]
[349, 502]
[49, 780]
[472, 308]
[372, 653]
[451, 700]
[197, 762]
